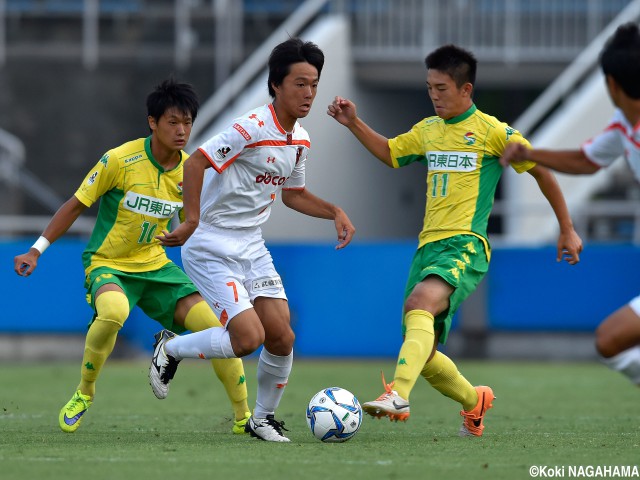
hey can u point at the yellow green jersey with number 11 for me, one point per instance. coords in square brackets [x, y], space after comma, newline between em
[462, 159]
[138, 199]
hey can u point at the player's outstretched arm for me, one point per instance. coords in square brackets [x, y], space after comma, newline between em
[344, 112]
[565, 161]
[193, 177]
[569, 244]
[25, 264]
[305, 202]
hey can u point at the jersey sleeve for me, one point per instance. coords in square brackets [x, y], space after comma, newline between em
[223, 148]
[605, 148]
[407, 147]
[100, 179]
[296, 180]
[504, 134]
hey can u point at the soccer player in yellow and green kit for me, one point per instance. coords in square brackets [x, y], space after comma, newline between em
[460, 148]
[139, 185]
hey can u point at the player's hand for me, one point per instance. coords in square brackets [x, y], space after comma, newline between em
[25, 264]
[343, 110]
[513, 152]
[345, 229]
[178, 237]
[569, 247]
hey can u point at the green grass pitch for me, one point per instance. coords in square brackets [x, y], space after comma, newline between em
[546, 414]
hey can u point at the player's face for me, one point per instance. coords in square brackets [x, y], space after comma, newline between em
[448, 100]
[295, 95]
[173, 128]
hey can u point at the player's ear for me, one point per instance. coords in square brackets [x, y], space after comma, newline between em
[152, 122]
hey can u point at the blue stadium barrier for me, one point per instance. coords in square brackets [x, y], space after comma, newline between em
[348, 302]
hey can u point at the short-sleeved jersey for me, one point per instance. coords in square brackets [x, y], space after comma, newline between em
[619, 138]
[138, 199]
[462, 159]
[253, 160]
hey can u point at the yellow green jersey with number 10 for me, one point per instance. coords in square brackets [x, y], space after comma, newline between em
[138, 199]
[462, 159]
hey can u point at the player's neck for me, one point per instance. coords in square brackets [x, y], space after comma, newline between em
[631, 112]
[286, 121]
[165, 157]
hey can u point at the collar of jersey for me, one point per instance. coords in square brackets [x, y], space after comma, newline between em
[147, 148]
[462, 116]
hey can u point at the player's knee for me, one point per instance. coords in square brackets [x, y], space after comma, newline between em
[280, 343]
[605, 344]
[112, 307]
[244, 345]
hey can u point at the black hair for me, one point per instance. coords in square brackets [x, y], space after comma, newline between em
[172, 94]
[457, 62]
[293, 50]
[620, 59]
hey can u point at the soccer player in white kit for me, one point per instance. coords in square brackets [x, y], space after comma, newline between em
[261, 155]
[618, 336]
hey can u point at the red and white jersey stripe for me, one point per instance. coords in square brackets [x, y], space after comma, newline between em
[253, 160]
[619, 138]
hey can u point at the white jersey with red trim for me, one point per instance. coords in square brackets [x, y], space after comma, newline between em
[619, 138]
[253, 160]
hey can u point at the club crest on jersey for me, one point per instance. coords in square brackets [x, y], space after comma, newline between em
[180, 187]
[221, 153]
[469, 138]
[242, 131]
[92, 178]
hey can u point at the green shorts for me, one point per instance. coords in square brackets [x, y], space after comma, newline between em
[155, 292]
[461, 261]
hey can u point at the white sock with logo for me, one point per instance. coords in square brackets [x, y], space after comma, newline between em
[213, 342]
[273, 375]
[627, 363]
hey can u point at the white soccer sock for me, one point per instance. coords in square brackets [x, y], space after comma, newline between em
[213, 342]
[273, 374]
[627, 363]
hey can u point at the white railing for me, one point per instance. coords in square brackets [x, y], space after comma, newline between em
[508, 31]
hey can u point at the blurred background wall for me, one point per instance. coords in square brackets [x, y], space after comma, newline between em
[74, 75]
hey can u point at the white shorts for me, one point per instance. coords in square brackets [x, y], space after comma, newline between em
[635, 305]
[231, 267]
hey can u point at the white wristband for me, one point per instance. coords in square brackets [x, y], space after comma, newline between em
[41, 244]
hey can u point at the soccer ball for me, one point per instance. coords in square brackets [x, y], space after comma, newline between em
[334, 415]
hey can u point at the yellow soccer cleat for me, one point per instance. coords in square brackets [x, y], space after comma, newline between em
[71, 414]
[239, 425]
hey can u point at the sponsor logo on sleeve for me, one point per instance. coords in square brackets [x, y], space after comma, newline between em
[242, 131]
[92, 178]
[104, 159]
[221, 153]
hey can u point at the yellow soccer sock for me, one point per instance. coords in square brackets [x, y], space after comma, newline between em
[229, 371]
[415, 350]
[443, 375]
[112, 309]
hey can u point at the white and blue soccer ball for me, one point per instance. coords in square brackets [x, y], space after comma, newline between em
[334, 415]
